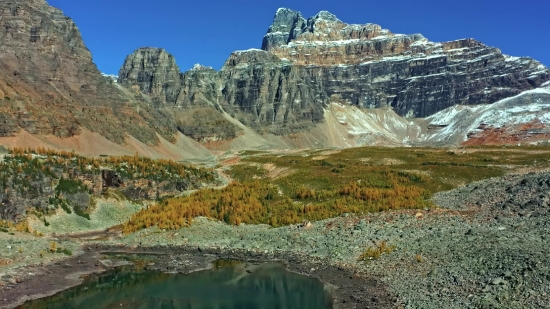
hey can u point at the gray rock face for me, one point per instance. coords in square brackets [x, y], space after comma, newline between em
[305, 64]
[371, 67]
[50, 85]
[269, 94]
[286, 26]
[155, 72]
[190, 98]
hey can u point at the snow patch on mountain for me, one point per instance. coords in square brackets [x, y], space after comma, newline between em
[198, 67]
[111, 76]
[457, 122]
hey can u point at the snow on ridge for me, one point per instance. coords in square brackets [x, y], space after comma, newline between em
[320, 43]
[275, 33]
[456, 122]
[199, 66]
[249, 50]
[111, 76]
[465, 119]
[422, 42]
[446, 116]
[283, 9]
[511, 58]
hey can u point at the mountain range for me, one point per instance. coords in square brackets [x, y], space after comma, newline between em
[315, 82]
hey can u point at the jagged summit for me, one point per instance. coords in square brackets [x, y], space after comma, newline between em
[305, 65]
[152, 68]
[290, 26]
[326, 16]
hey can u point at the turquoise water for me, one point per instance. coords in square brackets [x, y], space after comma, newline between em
[231, 286]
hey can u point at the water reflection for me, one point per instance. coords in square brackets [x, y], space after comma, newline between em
[227, 286]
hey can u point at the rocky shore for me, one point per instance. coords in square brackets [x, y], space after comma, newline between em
[351, 287]
[486, 246]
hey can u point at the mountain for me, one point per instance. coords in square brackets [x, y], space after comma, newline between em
[50, 84]
[306, 65]
[53, 95]
[316, 82]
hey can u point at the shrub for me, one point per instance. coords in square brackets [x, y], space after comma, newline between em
[374, 252]
[53, 247]
[70, 186]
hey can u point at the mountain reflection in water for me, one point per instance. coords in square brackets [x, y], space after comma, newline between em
[231, 286]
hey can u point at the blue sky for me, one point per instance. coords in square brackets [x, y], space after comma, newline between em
[207, 32]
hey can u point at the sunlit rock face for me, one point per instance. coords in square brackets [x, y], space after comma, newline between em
[49, 84]
[371, 67]
[304, 65]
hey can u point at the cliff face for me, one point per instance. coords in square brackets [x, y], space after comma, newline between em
[155, 72]
[371, 67]
[49, 84]
[190, 98]
[307, 64]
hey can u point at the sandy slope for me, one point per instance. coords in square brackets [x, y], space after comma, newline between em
[92, 144]
[524, 118]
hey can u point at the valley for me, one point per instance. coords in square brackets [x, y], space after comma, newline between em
[397, 171]
[479, 233]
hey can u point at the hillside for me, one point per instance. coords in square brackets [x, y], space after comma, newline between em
[316, 82]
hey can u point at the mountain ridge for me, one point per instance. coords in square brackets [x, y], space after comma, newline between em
[276, 90]
[266, 98]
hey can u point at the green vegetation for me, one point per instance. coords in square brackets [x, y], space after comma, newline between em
[70, 186]
[443, 169]
[314, 185]
[61, 179]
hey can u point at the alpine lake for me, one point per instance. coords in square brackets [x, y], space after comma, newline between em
[228, 284]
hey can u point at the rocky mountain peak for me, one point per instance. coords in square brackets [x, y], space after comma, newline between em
[50, 85]
[307, 65]
[151, 57]
[285, 18]
[153, 70]
[327, 17]
[287, 25]
[290, 28]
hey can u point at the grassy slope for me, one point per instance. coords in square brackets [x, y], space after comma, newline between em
[315, 185]
[446, 169]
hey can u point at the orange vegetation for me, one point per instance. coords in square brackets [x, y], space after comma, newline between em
[130, 166]
[255, 202]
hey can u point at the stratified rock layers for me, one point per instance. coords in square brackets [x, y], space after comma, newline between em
[50, 86]
[305, 64]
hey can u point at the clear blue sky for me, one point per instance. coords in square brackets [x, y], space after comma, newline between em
[206, 32]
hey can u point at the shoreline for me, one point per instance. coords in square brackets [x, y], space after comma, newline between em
[350, 287]
[486, 247]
